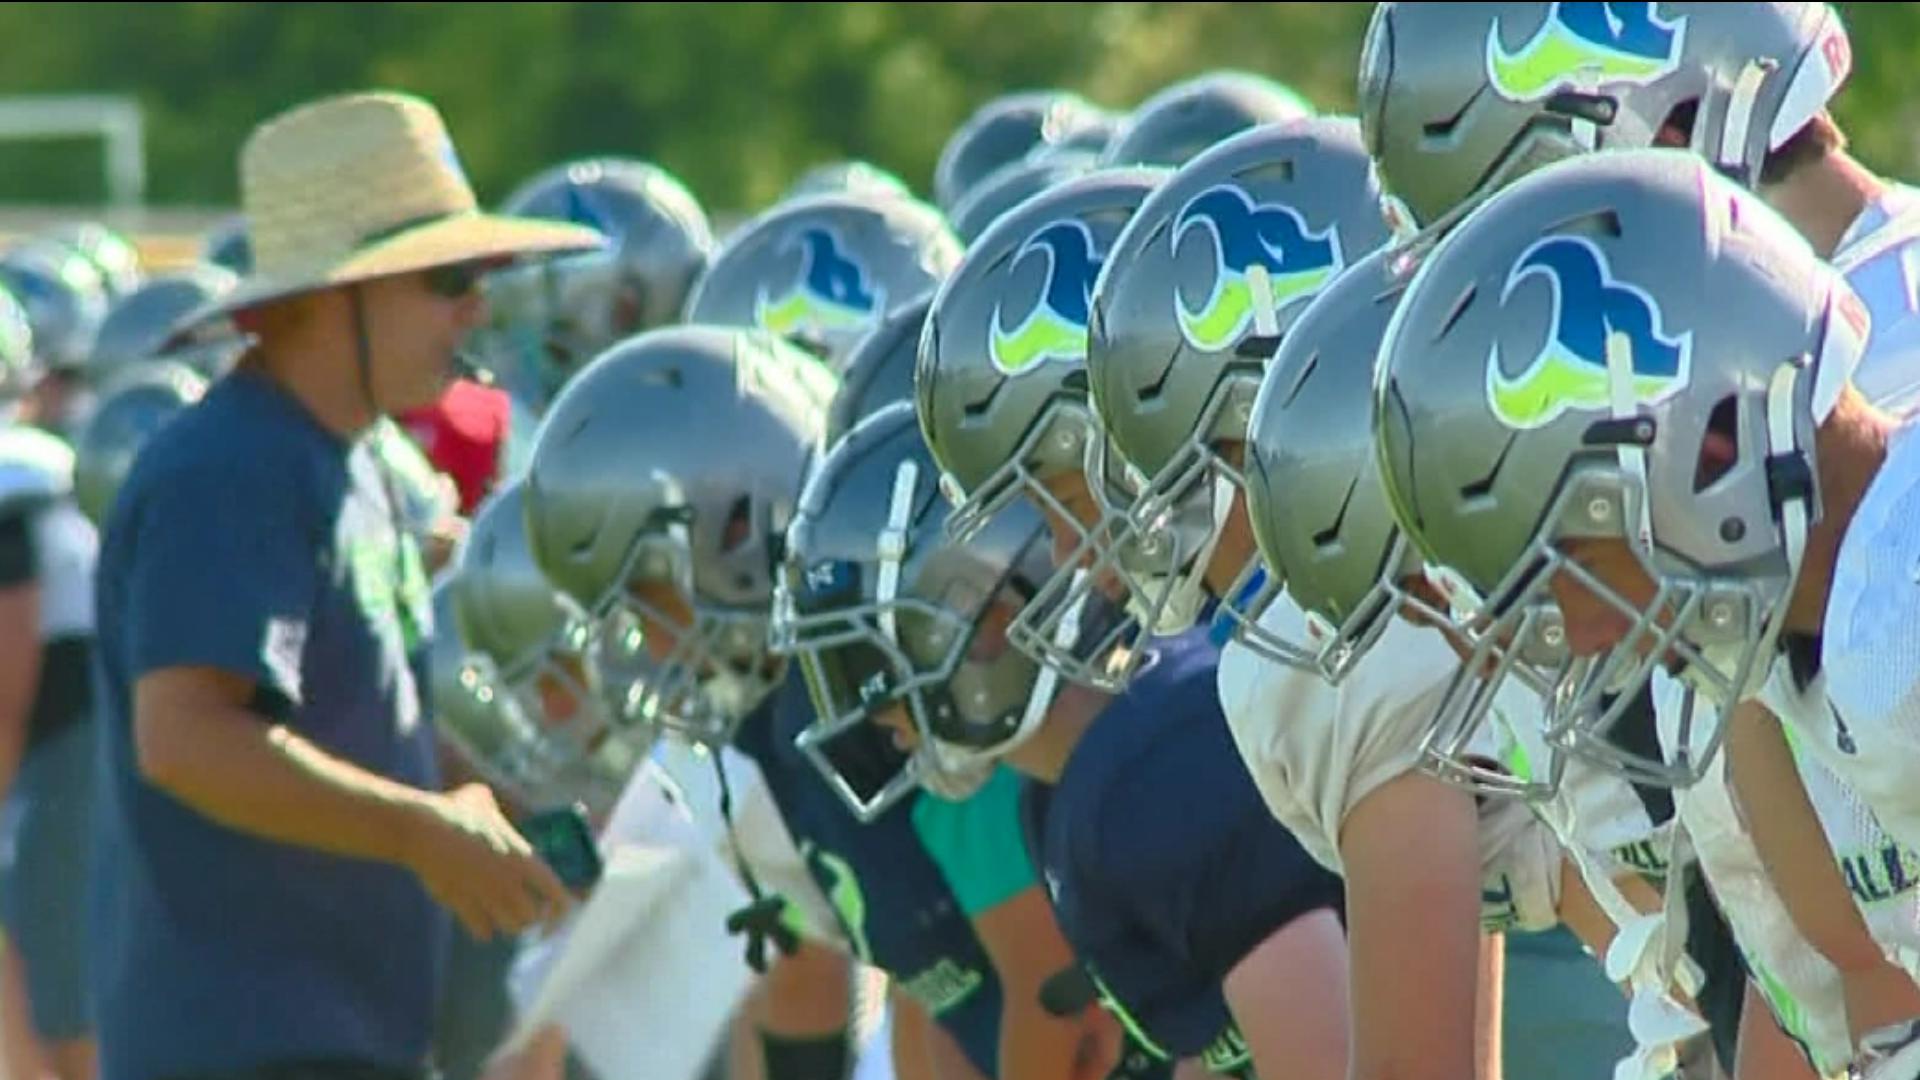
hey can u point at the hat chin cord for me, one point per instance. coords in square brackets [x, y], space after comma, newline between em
[363, 349]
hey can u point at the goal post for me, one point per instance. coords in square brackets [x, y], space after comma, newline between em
[116, 121]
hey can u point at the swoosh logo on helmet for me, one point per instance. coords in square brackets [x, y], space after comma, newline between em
[834, 293]
[1298, 262]
[1589, 306]
[1056, 327]
[1585, 44]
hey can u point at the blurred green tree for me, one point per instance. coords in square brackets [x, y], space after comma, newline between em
[737, 98]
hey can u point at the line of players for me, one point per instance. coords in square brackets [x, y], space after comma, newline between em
[1361, 536]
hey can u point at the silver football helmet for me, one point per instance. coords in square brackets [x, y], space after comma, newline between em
[660, 487]
[542, 650]
[19, 369]
[139, 327]
[139, 402]
[1001, 390]
[226, 245]
[884, 609]
[1325, 530]
[1007, 129]
[109, 250]
[551, 316]
[1621, 348]
[1012, 184]
[36, 468]
[502, 743]
[880, 371]
[1459, 99]
[846, 177]
[822, 271]
[65, 299]
[1200, 289]
[1177, 124]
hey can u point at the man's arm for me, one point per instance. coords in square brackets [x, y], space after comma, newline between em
[1289, 999]
[198, 740]
[1027, 949]
[1412, 856]
[1772, 800]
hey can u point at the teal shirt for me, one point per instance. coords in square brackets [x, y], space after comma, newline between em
[978, 844]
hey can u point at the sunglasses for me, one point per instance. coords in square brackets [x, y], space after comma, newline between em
[455, 281]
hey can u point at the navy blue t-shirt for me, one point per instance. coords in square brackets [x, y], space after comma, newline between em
[250, 539]
[895, 904]
[1163, 864]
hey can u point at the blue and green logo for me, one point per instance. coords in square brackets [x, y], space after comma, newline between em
[1297, 262]
[1590, 309]
[1055, 328]
[1582, 45]
[834, 293]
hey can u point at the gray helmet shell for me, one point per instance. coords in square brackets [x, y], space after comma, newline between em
[823, 271]
[1628, 347]
[1005, 130]
[1458, 99]
[674, 459]
[882, 605]
[132, 408]
[1175, 125]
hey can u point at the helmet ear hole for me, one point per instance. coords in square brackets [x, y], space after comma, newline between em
[1677, 129]
[738, 527]
[1719, 446]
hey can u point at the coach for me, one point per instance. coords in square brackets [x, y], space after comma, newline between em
[271, 841]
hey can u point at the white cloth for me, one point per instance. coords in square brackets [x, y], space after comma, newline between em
[660, 926]
[1802, 989]
[37, 469]
[67, 550]
[1880, 256]
[1869, 736]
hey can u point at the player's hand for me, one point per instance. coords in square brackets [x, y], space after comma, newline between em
[473, 862]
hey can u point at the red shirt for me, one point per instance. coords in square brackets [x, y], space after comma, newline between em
[462, 434]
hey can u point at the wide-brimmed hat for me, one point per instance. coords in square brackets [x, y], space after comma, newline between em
[363, 186]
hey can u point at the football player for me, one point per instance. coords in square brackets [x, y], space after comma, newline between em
[657, 498]
[1724, 353]
[1199, 921]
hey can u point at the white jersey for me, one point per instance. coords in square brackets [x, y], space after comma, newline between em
[37, 468]
[1880, 256]
[1868, 732]
[671, 803]
[1316, 750]
[67, 549]
[1882, 874]
[1800, 986]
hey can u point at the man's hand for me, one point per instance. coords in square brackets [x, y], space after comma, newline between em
[475, 864]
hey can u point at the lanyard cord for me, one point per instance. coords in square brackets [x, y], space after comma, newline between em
[761, 919]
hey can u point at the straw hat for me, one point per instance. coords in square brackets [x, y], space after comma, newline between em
[363, 186]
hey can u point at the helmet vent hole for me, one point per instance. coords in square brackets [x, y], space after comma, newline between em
[1306, 372]
[1443, 129]
[1330, 536]
[1459, 311]
[1593, 108]
[669, 377]
[1719, 446]
[1482, 489]
[1604, 225]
